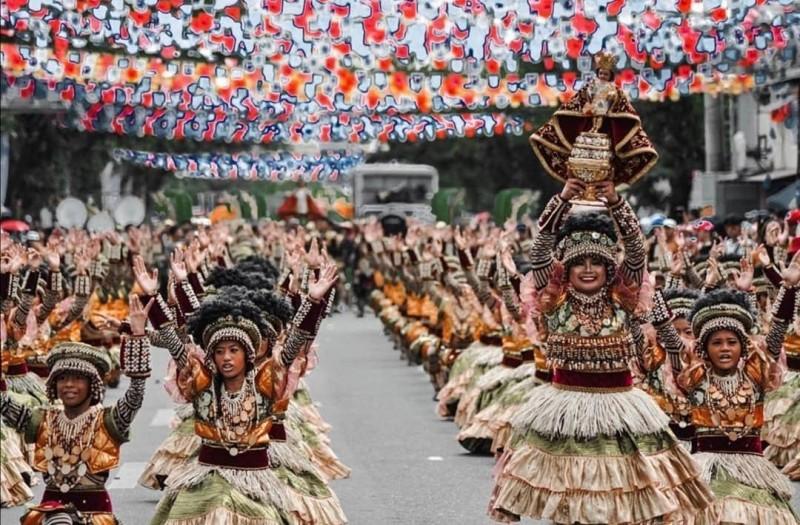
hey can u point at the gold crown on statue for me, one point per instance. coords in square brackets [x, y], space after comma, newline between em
[605, 60]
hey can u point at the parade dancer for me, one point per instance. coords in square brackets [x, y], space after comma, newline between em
[725, 373]
[233, 480]
[589, 448]
[78, 443]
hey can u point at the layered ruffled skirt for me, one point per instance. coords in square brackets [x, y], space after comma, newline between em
[180, 445]
[473, 362]
[293, 493]
[592, 457]
[14, 488]
[749, 490]
[782, 426]
[490, 408]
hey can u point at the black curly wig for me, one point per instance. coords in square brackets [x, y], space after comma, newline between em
[723, 296]
[592, 221]
[232, 303]
[257, 264]
[675, 293]
[222, 277]
[272, 303]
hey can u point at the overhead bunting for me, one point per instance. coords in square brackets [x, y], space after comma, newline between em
[127, 120]
[442, 35]
[278, 166]
[359, 70]
[114, 79]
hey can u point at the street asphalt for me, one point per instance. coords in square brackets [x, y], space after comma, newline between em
[407, 466]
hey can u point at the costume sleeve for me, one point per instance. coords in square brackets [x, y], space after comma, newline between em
[165, 334]
[14, 413]
[543, 244]
[691, 274]
[26, 296]
[303, 329]
[82, 290]
[782, 316]
[52, 295]
[135, 355]
[668, 337]
[628, 225]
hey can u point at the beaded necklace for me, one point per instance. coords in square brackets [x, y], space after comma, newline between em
[239, 412]
[725, 393]
[67, 450]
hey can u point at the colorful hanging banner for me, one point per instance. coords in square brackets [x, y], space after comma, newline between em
[177, 125]
[395, 93]
[456, 35]
[276, 166]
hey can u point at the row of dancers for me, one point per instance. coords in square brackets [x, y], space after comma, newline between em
[616, 379]
[238, 313]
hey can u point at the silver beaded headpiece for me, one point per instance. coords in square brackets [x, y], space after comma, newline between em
[722, 316]
[241, 330]
[82, 359]
[580, 244]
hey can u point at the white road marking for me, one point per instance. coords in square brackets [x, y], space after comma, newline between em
[435, 458]
[163, 417]
[127, 476]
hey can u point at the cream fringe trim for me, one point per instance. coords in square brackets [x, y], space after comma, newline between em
[223, 515]
[489, 356]
[730, 511]
[493, 378]
[292, 457]
[749, 469]
[314, 511]
[262, 485]
[554, 412]
[29, 383]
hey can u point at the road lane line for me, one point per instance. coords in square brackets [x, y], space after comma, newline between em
[127, 476]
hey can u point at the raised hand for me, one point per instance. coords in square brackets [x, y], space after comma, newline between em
[772, 233]
[137, 314]
[791, 273]
[82, 262]
[743, 278]
[148, 281]
[677, 266]
[177, 266]
[34, 258]
[313, 257]
[52, 255]
[712, 273]
[319, 288]
[193, 257]
[106, 322]
[762, 256]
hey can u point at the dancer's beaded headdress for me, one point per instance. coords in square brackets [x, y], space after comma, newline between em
[81, 359]
[722, 310]
[681, 301]
[587, 234]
